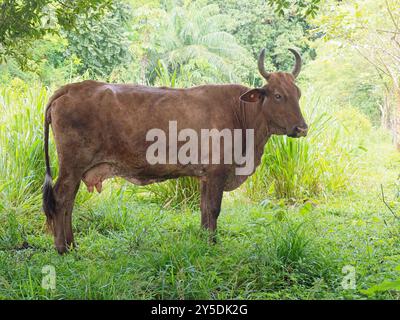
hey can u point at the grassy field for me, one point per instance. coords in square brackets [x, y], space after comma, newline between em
[130, 246]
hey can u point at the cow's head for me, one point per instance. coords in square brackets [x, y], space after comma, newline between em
[279, 99]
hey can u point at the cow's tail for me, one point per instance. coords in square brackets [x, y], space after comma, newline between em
[49, 201]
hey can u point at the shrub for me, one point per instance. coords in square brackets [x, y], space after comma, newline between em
[101, 46]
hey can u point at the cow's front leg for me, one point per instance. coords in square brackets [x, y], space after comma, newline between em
[212, 189]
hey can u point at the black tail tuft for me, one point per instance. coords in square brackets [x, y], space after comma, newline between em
[49, 202]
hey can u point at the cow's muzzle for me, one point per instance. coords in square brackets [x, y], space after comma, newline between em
[299, 131]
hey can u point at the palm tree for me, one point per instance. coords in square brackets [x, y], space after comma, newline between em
[192, 39]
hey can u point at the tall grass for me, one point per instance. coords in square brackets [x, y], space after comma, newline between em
[291, 247]
[21, 144]
[21, 161]
[181, 192]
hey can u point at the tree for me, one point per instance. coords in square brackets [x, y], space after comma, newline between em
[303, 8]
[256, 25]
[372, 29]
[22, 22]
[195, 34]
[193, 37]
[101, 45]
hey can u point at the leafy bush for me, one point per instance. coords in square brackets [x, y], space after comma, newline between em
[384, 286]
[102, 46]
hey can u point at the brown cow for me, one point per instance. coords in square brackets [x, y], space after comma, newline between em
[100, 132]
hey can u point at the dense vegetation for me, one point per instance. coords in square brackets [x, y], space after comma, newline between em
[316, 207]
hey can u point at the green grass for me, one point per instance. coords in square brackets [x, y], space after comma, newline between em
[146, 252]
[182, 192]
[132, 246]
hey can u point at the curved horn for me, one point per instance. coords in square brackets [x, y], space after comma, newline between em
[297, 66]
[261, 67]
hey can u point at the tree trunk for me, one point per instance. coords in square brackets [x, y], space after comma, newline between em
[396, 129]
[386, 112]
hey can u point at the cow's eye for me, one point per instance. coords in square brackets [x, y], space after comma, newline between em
[278, 96]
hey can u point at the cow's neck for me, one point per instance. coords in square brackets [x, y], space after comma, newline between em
[251, 118]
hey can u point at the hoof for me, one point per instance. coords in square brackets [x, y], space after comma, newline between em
[62, 249]
[212, 239]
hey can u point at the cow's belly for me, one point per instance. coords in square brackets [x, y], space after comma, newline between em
[94, 177]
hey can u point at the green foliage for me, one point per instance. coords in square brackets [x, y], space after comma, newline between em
[361, 39]
[21, 22]
[142, 251]
[47, 63]
[164, 77]
[300, 7]
[347, 79]
[256, 26]
[177, 193]
[384, 286]
[21, 165]
[290, 243]
[102, 45]
[193, 36]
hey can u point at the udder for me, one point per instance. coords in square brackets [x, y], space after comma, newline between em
[94, 177]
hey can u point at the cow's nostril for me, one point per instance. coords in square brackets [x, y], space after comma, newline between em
[300, 131]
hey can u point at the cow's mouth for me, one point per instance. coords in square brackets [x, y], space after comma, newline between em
[280, 130]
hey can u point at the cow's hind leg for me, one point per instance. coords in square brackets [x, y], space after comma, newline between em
[65, 191]
[212, 189]
[69, 235]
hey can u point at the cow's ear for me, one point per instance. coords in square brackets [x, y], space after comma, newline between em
[253, 95]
